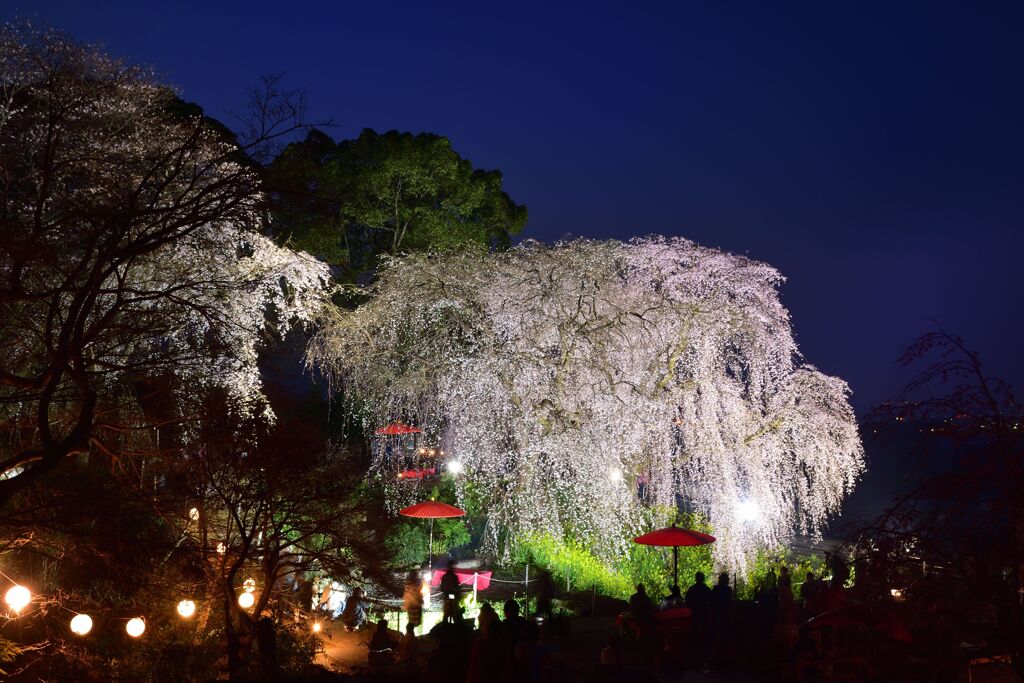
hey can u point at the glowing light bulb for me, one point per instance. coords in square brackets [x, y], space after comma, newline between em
[135, 627]
[17, 598]
[81, 624]
[455, 467]
[186, 608]
[193, 514]
[246, 600]
[316, 627]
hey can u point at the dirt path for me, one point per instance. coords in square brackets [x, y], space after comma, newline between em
[343, 651]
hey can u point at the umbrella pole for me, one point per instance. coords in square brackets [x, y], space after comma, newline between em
[675, 565]
[430, 550]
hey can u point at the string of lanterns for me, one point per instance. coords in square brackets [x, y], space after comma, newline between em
[18, 597]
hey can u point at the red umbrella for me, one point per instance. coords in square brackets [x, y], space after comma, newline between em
[674, 537]
[431, 509]
[397, 428]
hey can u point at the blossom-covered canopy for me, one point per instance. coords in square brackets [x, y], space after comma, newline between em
[578, 383]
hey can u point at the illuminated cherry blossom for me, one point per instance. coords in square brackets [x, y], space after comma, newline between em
[561, 377]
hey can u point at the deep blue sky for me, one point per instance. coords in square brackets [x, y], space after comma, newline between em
[874, 153]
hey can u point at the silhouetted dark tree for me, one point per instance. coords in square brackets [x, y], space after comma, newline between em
[131, 258]
[956, 538]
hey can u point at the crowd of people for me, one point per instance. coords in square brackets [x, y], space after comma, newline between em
[695, 629]
[503, 647]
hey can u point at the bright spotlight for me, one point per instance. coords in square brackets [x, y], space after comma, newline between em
[615, 475]
[455, 467]
[246, 600]
[81, 624]
[135, 627]
[748, 511]
[186, 608]
[17, 598]
[316, 627]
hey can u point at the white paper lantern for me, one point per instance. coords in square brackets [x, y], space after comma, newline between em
[135, 627]
[81, 624]
[17, 598]
[186, 608]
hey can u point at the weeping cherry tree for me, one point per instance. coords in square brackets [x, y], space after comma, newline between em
[565, 377]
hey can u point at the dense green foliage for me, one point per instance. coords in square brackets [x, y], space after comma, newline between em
[384, 193]
[573, 565]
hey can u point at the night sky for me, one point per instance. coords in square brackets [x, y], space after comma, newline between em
[873, 153]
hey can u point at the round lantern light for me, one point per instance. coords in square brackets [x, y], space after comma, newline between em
[135, 627]
[246, 600]
[17, 598]
[81, 624]
[193, 514]
[186, 608]
[317, 627]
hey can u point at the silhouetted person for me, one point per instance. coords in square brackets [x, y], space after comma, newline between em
[450, 592]
[698, 599]
[409, 647]
[545, 594]
[721, 608]
[787, 608]
[673, 599]
[354, 615]
[382, 648]
[835, 594]
[448, 660]
[768, 601]
[488, 659]
[412, 599]
[807, 591]
[486, 617]
[514, 627]
[640, 606]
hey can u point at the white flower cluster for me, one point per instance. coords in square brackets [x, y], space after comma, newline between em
[220, 287]
[570, 379]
